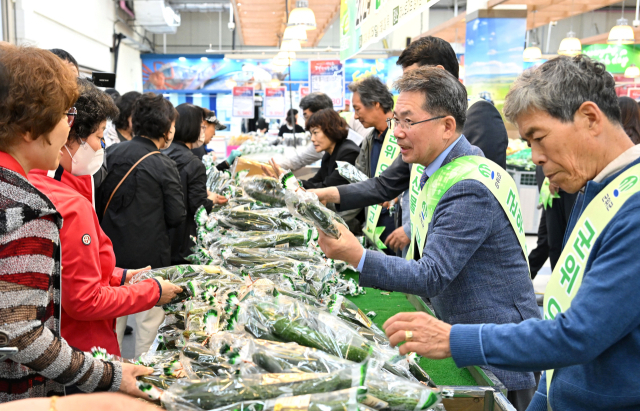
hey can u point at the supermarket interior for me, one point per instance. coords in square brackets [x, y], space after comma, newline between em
[319, 205]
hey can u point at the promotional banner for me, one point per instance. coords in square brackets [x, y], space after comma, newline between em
[327, 76]
[304, 91]
[364, 22]
[616, 57]
[243, 102]
[274, 102]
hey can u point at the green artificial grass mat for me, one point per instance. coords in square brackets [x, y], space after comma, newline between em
[442, 372]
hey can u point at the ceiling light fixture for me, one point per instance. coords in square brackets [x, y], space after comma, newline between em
[570, 45]
[622, 32]
[290, 45]
[182, 59]
[532, 52]
[295, 33]
[632, 71]
[302, 16]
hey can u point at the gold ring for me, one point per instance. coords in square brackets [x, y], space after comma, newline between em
[408, 335]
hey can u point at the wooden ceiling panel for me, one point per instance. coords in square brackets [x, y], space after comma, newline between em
[262, 22]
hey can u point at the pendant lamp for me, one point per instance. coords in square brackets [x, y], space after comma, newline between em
[621, 33]
[570, 45]
[295, 33]
[532, 53]
[290, 45]
[302, 16]
[632, 71]
[283, 58]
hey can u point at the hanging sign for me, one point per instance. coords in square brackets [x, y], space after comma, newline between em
[274, 102]
[364, 22]
[243, 102]
[327, 76]
[304, 91]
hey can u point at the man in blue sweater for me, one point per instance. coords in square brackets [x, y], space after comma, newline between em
[472, 266]
[589, 342]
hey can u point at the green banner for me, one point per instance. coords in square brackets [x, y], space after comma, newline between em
[616, 57]
[364, 22]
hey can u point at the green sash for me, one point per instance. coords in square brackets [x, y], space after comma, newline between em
[567, 275]
[389, 152]
[423, 202]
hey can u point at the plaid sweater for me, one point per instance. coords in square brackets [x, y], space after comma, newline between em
[30, 298]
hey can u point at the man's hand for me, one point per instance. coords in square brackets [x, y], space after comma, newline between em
[131, 273]
[347, 248]
[169, 291]
[430, 335]
[327, 195]
[398, 239]
[129, 374]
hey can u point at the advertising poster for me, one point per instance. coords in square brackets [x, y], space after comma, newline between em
[274, 102]
[327, 76]
[304, 91]
[243, 102]
[493, 57]
[616, 57]
[364, 22]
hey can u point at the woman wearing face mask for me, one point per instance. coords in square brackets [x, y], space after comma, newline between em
[141, 198]
[92, 297]
[190, 134]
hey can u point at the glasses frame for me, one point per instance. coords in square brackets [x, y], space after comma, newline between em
[71, 116]
[409, 125]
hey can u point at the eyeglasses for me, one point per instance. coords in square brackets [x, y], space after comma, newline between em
[71, 116]
[405, 125]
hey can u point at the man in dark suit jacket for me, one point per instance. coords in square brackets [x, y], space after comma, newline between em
[473, 268]
[484, 128]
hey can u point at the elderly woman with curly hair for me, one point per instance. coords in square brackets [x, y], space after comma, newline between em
[92, 292]
[36, 112]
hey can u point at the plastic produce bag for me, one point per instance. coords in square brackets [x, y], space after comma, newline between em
[288, 320]
[264, 189]
[350, 173]
[253, 221]
[305, 205]
[265, 240]
[217, 392]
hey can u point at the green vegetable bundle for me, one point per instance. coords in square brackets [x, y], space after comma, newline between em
[306, 206]
[285, 319]
[287, 239]
[264, 189]
[248, 220]
[217, 392]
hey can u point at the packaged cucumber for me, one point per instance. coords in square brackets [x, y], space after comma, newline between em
[350, 173]
[218, 392]
[305, 205]
[253, 221]
[264, 189]
[265, 240]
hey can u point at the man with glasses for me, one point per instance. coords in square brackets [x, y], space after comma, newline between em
[472, 265]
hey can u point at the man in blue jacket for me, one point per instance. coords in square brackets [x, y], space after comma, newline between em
[567, 111]
[472, 267]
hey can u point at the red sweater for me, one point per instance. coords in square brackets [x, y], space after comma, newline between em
[91, 292]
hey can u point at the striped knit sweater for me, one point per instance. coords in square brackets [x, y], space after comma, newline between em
[30, 298]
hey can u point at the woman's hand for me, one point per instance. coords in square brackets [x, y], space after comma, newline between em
[129, 374]
[430, 336]
[131, 273]
[169, 291]
[216, 198]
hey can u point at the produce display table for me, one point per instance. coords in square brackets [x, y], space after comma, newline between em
[468, 389]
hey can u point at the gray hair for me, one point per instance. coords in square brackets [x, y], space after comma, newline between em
[443, 93]
[315, 102]
[560, 86]
[372, 90]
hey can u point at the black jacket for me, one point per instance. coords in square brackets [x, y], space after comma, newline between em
[199, 152]
[193, 178]
[145, 206]
[328, 176]
[285, 129]
[484, 128]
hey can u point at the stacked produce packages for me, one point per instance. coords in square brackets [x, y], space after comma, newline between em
[262, 322]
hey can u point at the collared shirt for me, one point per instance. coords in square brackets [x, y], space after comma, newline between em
[429, 170]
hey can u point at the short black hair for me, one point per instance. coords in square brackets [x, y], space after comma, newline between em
[152, 116]
[188, 126]
[64, 55]
[430, 51]
[125, 105]
[94, 106]
[315, 102]
[371, 91]
[113, 93]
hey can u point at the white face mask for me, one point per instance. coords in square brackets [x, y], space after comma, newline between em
[86, 161]
[200, 141]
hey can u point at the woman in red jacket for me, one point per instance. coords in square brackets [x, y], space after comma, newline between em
[94, 290]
